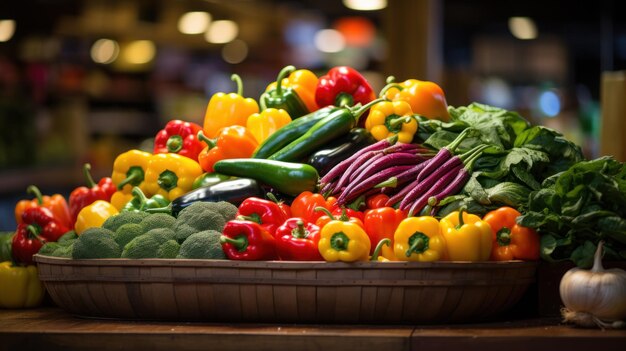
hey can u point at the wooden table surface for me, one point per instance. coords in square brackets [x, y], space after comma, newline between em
[50, 328]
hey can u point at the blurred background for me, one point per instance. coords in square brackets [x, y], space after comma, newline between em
[84, 80]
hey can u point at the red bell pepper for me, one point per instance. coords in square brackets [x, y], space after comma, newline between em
[381, 223]
[297, 241]
[342, 215]
[264, 212]
[86, 195]
[283, 206]
[55, 203]
[247, 240]
[179, 137]
[304, 205]
[38, 226]
[343, 86]
[376, 201]
[511, 241]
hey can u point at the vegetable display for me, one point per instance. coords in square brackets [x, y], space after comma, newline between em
[327, 170]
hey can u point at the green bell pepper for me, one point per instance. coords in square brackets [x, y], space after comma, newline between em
[208, 179]
[140, 202]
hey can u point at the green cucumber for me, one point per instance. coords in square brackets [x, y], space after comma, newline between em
[289, 178]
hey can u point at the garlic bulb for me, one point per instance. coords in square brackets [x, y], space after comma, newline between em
[595, 297]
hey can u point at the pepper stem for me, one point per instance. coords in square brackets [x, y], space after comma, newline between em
[134, 176]
[174, 143]
[235, 78]
[240, 242]
[339, 241]
[253, 218]
[141, 196]
[461, 222]
[32, 189]
[357, 111]
[210, 142]
[418, 243]
[282, 74]
[379, 248]
[299, 232]
[326, 211]
[88, 178]
[504, 236]
[168, 180]
[344, 99]
[391, 83]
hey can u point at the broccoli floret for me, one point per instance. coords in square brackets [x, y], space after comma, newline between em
[67, 238]
[147, 244]
[205, 244]
[168, 249]
[143, 246]
[114, 222]
[63, 251]
[197, 217]
[96, 243]
[162, 234]
[48, 248]
[157, 220]
[225, 208]
[127, 232]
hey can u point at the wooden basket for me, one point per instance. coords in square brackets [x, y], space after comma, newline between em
[285, 292]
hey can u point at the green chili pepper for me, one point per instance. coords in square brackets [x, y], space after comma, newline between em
[286, 177]
[334, 125]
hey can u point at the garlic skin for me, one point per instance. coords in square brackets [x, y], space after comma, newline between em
[596, 294]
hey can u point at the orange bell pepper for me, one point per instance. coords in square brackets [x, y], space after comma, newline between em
[381, 223]
[55, 203]
[304, 205]
[511, 241]
[426, 98]
[225, 110]
[231, 142]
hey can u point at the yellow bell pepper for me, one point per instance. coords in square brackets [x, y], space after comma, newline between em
[344, 241]
[389, 118]
[468, 237]
[129, 170]
[171, 175]
[419, 239]
[263, 124]
[94, 215]
[20, 286]
[426, 98]
[225, 110]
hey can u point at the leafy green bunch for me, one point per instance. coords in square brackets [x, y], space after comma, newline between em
[577, 208]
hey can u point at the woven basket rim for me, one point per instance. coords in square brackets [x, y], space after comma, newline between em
[319, 265]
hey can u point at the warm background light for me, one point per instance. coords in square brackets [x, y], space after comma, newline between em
[222, 31]
[194, 22]
[7, 29]
[105, 51]
[523, 28]
[139, 52]
[365, 5]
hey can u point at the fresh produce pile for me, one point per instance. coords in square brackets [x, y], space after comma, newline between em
[323, 168]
